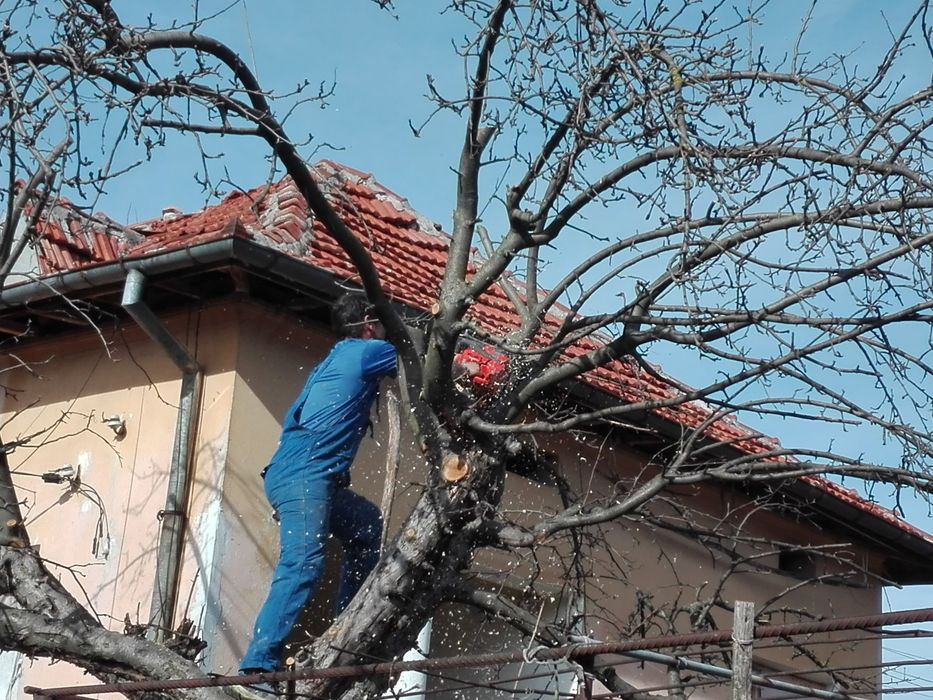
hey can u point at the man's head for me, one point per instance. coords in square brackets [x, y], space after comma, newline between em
[352, 316]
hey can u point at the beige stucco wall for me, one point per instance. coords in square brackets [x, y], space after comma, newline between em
[101, 532]
[255, 361]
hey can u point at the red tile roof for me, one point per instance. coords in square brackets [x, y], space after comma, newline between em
[409, 252]
[70, 239]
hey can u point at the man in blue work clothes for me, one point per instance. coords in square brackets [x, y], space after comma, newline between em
[306, 481]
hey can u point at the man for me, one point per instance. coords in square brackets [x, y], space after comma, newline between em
[306, 481]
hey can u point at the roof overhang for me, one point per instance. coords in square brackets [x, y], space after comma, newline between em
[910, 551]
[211, 254]
[911, 556]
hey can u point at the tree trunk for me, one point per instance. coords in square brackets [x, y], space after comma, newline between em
[38, 615]
[12, 530]
[421, 566]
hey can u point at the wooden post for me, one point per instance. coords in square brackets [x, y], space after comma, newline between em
[392, 465]
[743, 632]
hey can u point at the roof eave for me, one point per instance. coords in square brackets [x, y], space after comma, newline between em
[157, 263]
[232, 249]
[916, 549]
[846, 515]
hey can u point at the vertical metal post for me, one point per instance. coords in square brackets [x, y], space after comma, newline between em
[743, 633]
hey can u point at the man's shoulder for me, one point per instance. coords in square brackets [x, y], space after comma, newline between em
[380, 344]
[350, 349]
[363, 345]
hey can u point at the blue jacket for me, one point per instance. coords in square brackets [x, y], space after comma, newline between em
[324, 427]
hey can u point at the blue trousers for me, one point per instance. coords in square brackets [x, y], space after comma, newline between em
[310, 510]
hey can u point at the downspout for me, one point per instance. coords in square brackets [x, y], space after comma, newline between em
[174, 515]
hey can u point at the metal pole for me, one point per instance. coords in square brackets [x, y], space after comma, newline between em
[726, 673]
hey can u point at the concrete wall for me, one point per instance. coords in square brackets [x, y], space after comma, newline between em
[625, 561]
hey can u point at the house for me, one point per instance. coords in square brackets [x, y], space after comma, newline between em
[150, 365]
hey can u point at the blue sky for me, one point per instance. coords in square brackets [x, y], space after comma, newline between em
[379, 66]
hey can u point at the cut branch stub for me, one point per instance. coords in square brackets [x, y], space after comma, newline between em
[454, 468]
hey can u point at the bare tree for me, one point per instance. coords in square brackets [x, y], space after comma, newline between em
[782, 244]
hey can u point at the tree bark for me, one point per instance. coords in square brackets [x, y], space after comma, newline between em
[12, 529]
[419, 570]
[37, 614]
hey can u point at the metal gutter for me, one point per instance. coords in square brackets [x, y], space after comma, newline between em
[174, 515]
[846, 516]
[56, 285]
[849, 516]
[132, 274]
[269, 262]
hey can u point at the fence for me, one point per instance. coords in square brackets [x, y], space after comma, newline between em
[741, 639]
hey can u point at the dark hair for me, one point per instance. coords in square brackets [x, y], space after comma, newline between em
[348, 314]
